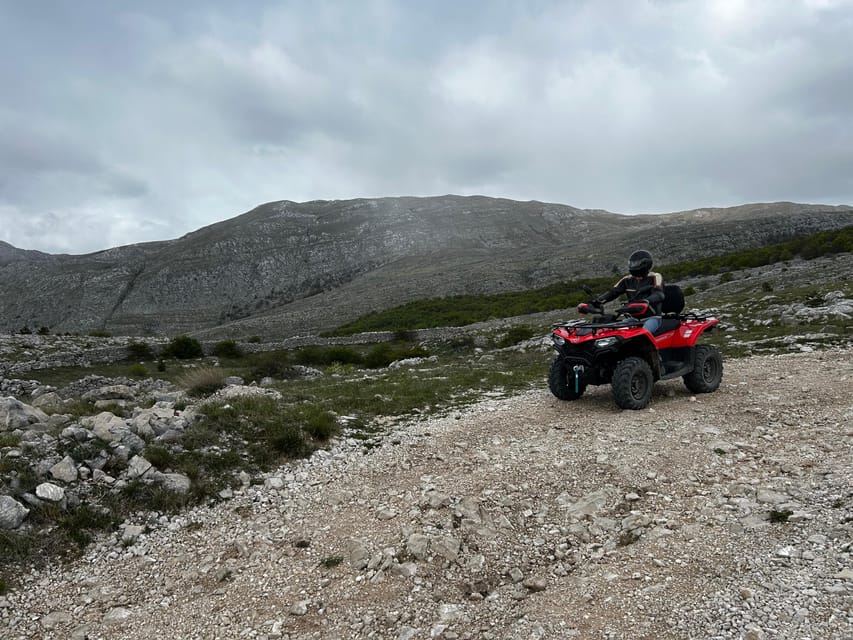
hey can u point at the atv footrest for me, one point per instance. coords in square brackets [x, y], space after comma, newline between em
[674, 369]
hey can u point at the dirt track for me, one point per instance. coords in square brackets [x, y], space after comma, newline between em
[727, 515]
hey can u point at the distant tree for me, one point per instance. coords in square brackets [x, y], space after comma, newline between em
[43, 331]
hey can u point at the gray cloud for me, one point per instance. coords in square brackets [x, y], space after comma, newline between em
[125, 124]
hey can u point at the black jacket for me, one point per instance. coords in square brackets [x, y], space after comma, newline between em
[649, 288]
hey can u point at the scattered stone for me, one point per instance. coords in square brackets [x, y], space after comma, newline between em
[138, 467]
[50, 492]
[417, 545]
[299, 608]
[65, 470]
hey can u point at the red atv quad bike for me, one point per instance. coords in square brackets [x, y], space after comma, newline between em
[616, 349]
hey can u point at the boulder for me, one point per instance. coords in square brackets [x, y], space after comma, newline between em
[138, 467]
[105, 426]
[50, 401]
[14, 414]
[12, 513]
[176, 482]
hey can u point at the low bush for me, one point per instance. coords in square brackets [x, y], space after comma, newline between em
[202, 381]
[516, 334]
[318, 423]
[140, 351]
[272, 364]
[183, 348]
[227, 349]
[381, 355]
[138, 371]
[323, 356]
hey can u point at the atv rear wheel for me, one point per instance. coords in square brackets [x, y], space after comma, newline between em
[632, 383]
[561, 381]
[707, 370]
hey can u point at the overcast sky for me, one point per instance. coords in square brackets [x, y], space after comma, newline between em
[124, 122]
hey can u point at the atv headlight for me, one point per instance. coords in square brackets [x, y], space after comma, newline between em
[603, 343]
[558, 339]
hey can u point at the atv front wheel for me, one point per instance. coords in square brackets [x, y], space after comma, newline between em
[632, 383]
[707, 370]
[561, 381]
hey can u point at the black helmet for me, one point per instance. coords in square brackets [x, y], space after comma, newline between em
[640, 263]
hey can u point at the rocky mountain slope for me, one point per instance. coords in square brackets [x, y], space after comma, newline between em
[727, 515]
[287, 268]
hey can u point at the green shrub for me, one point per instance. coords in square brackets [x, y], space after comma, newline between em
[689, 291]
[80, 408]
[183, 348]
[516, 334]
[79, 524]
[100, 333]
[766, 286]
[137, 371]
[322, 356]
[254, 339]
[202, 381]
[90, 450]
[139, 351]
[43, 331]
[227, 349]
[159, 456]
[318, 423]
[380, 355]
[272, 364]
[286, 438]
[25, 330]
[9, 439]
[727, 277]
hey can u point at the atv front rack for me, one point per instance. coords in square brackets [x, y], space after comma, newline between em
[584, 327]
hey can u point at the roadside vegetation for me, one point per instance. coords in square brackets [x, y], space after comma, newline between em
[325, 392]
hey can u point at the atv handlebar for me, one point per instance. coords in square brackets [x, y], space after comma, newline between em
[636, 309]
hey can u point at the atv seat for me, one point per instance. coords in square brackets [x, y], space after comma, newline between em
[672, 305]
[668, 323]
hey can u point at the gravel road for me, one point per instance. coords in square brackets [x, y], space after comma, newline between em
[728, 515]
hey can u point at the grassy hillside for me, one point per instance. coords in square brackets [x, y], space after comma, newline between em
[465, 310]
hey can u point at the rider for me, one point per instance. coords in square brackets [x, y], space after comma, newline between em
[642, 286]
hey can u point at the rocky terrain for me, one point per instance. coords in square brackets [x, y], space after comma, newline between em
[289, 268]
[728, 515]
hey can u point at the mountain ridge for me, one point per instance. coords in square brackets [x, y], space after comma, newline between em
[286, 267]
